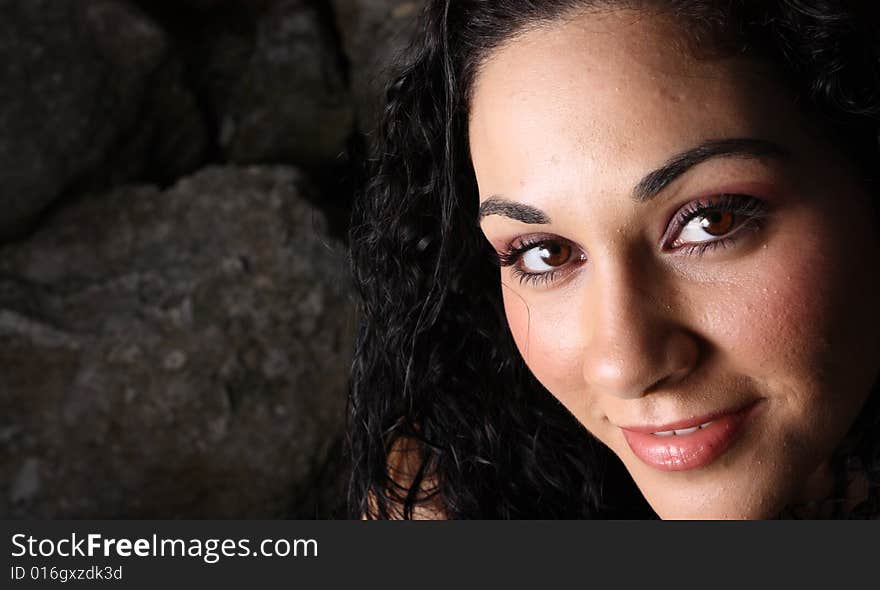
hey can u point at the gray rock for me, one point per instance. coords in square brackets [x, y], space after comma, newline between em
[27, 483]
[280, 95]
[90, 95]
[374, 33]
[173, 354]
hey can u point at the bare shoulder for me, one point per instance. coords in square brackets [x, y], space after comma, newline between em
[404, 460]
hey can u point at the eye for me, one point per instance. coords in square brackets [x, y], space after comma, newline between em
[714, 221]
[540, 260]
[545, 257]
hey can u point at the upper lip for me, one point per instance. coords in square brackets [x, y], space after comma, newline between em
[687, 422]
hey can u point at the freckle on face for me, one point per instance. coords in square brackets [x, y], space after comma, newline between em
[567, 119]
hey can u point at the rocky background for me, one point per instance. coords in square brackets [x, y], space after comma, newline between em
[176, 322]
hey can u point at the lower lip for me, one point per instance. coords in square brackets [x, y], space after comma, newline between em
[689, 451]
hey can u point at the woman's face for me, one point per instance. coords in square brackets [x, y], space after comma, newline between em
[689, 268]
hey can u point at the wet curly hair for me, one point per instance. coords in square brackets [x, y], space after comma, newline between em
[435, 362]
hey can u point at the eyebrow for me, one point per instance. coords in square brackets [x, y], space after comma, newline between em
[653, 183]
[497, 205]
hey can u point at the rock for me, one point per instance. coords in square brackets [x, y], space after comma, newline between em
[176, 354]
[90, 95]
[374, 33]
[27, 483]
[275, 80]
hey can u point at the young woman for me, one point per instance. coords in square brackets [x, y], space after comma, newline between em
[618, 259]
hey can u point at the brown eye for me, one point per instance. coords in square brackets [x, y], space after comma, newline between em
[717, 223]
[714, 221]
[546, 256]
[554, 254]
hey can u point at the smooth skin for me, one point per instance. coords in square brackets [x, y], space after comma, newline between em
[647, 322]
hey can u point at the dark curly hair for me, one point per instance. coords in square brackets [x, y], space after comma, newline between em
[435, 362]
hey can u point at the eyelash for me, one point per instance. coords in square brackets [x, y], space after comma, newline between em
[513, 254]
[751, 209]
[748, 208]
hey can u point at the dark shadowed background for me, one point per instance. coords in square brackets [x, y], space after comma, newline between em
[176, 322]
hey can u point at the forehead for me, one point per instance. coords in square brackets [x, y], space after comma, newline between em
[607, 96]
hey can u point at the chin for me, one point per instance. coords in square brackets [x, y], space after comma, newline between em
[710, 509]
[761, 470]
[744, 493]
[732, 488]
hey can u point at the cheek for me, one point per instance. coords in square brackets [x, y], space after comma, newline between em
[801, 324]
[772, 321]
[517, 311]
[550, 341]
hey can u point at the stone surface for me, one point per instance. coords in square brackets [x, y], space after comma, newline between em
[374, 32]
[174, 354]
[90, 95]
[277, 85]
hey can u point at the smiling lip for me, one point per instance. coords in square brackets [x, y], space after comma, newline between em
[691, 449]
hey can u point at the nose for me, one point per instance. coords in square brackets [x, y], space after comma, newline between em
[636, 342]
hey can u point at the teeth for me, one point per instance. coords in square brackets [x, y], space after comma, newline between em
[683, 431]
